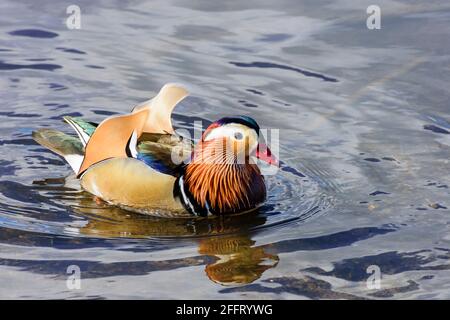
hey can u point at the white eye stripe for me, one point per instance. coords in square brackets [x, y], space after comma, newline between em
[229, 131]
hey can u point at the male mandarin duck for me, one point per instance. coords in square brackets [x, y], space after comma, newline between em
[128, 160]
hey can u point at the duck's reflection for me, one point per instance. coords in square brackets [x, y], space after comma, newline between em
[236, 259]
[239, 262]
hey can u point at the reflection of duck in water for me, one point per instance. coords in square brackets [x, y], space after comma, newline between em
[238, 261]
[234, 259]
[111, 221]
[224, 243]
[127, 160]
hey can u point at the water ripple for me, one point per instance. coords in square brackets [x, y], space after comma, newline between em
[270, 65]
[34, 33]
[34, 66]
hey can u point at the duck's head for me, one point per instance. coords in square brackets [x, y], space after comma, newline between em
[222, 176]
[238, 137]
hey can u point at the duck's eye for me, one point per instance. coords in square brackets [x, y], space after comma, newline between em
[238, 135]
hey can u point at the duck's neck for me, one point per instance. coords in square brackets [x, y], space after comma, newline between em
[220, 185]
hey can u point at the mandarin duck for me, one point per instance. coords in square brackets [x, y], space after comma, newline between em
[128, 160]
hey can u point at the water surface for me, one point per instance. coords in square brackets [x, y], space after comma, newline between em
[365, 143]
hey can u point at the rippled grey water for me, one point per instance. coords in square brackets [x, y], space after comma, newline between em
[365, 142]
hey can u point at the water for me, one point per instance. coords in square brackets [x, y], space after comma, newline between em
[364, 126]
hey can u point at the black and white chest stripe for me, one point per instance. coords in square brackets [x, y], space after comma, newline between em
[188, 201]
[131, 145]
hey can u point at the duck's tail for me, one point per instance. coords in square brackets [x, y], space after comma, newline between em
[83, 128]
[68, 147]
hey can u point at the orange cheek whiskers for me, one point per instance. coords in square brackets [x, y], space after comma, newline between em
[216, 178]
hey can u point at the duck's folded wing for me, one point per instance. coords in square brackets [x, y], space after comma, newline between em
[164, 152]
[115, 137]
[130, 183]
